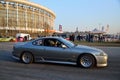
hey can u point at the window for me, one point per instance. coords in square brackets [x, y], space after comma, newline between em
[38, 42]
[53, 43]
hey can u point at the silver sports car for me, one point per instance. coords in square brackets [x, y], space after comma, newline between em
[59, 50]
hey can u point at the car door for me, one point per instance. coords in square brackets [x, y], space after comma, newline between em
[59, 52]
[38, 49]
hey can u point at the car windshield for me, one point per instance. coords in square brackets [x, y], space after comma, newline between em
[68, 43]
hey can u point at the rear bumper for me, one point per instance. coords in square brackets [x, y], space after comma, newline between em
[15, 56]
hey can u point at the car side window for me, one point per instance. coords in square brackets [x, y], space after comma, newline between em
[38, 42]
[60, 44]
[53, 43]
[49, 42]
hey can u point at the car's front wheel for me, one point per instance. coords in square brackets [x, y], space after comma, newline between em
[86, 61]
[27, 57]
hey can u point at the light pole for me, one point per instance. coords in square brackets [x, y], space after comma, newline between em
[7, 18]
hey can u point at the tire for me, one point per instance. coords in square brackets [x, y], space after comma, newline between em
[86, 61]
[27, 58]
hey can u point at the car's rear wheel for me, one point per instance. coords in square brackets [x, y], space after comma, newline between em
[86, 61]
[27, 57]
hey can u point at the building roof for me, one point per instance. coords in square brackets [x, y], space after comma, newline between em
[33, 5]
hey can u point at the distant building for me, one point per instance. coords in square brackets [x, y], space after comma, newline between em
[60, 28]
[23, 16]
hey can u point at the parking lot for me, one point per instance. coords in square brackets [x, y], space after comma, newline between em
[11, 69]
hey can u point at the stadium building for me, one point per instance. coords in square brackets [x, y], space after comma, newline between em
[23, 16]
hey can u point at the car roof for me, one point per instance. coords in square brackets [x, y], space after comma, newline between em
[51, 37]
[48, 37]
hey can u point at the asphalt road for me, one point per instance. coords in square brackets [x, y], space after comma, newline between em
[11, 69]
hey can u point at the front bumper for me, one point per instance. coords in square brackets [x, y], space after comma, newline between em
[102, 61]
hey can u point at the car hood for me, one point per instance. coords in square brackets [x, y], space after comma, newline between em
[87, 48]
